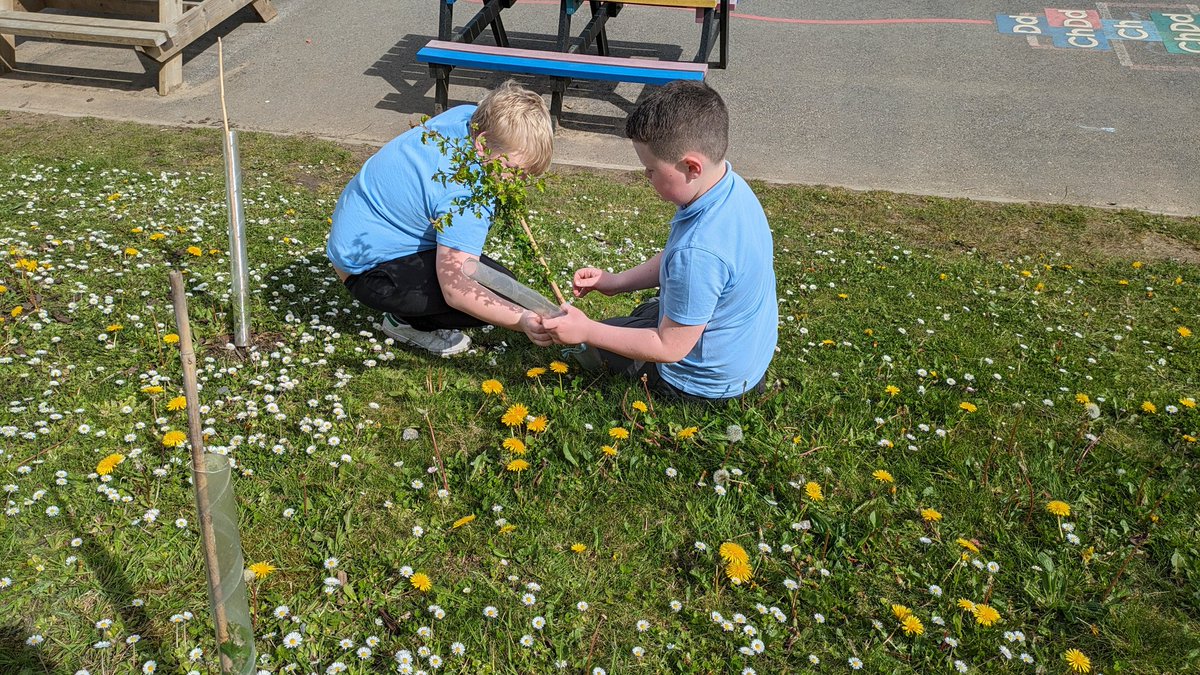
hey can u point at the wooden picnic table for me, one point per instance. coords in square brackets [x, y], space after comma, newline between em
[571, 60]
[158, 29]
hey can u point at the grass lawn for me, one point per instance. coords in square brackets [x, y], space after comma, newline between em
[946, 370]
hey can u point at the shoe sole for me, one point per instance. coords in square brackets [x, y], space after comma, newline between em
[405, 341]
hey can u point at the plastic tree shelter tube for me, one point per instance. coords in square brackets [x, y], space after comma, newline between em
[506, 286]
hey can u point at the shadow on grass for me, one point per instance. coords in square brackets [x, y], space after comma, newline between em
[18, 658]
[119, 592]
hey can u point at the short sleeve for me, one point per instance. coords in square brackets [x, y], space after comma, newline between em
[468, 231]
[693, 282]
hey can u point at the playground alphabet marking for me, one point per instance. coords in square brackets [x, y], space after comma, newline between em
[1168, 31]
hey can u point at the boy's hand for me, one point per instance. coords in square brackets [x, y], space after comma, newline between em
[590, 279]
[570, 328]
[531, 325]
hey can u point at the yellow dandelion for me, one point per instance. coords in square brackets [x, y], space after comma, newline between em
[687, 433]
[967, 544]
[195, 250]
[157, 236]
[619, 433]
[515, 415]
[517, 465]
[901, 612]
[535, 372]
[558, 367]
[1149, 407]
[969, 407]
[114, 327]
[173, 438]
[930, 515]
[492, 387]
[153, 389]
[609, 451]
[739, 571]
[421, 582]
[731, 552]
[1123, 282]
[538, 425]
[883, 476]
[262, 570]
[985, 615]
[463, 521]
[17, 311]
[131, 251]
[891, 390]
[106, 465]
[1188, 402]
[508, 528]
[514, 445]
[114, 196]
[640, 406]
[170, 338]
[1082, 399]
[1078, 661]
[3, 288]
[1137, 264]
[1184, 331]
[578, 548]
[966, 605]
[177, 403]
[912, 626]
[1060, 509]
[813, 490]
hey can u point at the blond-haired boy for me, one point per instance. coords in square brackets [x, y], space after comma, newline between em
[385, 248]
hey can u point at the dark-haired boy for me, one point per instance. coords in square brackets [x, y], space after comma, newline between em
[712, 331]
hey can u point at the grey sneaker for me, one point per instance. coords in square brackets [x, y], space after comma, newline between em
[441, 342]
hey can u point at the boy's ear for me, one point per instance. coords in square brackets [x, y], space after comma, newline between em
[692, 164]
[481, 142]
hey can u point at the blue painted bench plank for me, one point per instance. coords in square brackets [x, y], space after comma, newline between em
[545, 64]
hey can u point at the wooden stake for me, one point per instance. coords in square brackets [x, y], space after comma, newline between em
[549, 275]
[221, 84]
[187, 357]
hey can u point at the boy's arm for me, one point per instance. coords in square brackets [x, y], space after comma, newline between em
[636, 278]
[667, 343]
[466, 295]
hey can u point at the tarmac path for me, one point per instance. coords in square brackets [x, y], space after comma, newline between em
[1001, 99]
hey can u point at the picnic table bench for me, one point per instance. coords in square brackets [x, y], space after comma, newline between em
[159, 29]
[571, 60]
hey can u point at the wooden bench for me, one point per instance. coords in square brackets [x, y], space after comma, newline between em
[159, 29]
[442, 56]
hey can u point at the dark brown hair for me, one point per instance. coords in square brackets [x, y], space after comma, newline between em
[680, 117]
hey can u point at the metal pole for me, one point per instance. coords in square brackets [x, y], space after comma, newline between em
[239, 281]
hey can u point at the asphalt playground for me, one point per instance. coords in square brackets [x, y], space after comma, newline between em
[921, 97]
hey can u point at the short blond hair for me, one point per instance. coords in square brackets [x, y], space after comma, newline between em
[515, 122]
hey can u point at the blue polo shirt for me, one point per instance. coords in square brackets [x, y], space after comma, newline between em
[718, 269]
[388, 209]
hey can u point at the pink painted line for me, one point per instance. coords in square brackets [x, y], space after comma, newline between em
[856, 22]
